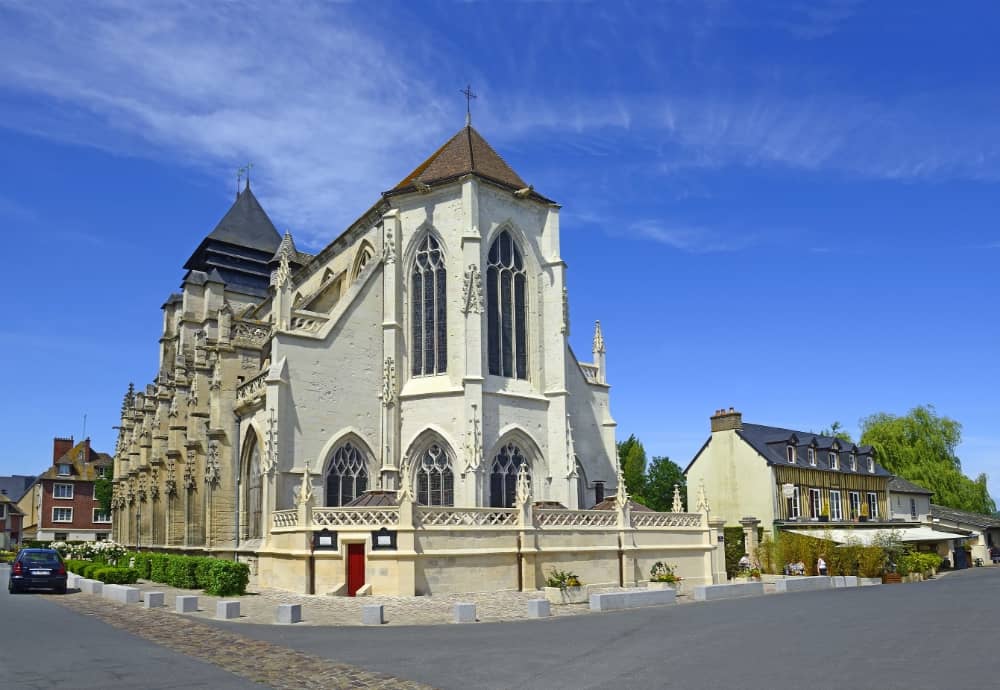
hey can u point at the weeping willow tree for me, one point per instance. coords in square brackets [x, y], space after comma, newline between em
[920, 446]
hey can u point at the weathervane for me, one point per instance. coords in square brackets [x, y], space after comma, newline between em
[469, 95]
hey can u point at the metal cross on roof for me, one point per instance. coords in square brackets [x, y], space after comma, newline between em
[247, 170]
[239, 179]
[469, 95]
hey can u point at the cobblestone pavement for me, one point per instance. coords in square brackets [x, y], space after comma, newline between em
[260, 606]
[261, 662]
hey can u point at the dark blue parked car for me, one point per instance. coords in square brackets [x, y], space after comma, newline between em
[37, 569]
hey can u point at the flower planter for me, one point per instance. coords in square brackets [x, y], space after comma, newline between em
[824, 518]
[570, 595]
[676, 586]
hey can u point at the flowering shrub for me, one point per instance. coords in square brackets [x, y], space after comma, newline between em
[562, 579]
[103, 551]
[661, 572]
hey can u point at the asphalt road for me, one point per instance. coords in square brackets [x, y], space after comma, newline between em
[43, 645]
[943, 633]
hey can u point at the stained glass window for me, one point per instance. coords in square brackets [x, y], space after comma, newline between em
[254, 490]
[347, 476]
[428, 302]
[503, 477]
[506, 306]
[435, 479]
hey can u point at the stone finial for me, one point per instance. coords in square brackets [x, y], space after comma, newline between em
[305, 492]
[677, 507]
[598, 338]
[405, 480]
[523, 486]
[621, 498]
[286, 250]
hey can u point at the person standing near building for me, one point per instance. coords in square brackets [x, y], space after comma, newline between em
[821, 565]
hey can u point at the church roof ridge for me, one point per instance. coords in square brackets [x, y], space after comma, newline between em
[467, 152]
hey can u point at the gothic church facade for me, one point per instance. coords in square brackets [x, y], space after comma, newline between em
[423, 351]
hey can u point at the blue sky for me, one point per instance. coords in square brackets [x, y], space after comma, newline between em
[790, 208]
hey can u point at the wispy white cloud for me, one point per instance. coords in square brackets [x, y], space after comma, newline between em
[320, 106]
[697, 240]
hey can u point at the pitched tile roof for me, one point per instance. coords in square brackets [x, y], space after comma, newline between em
[901, 486]
[84, 461]
[11, 505]
[15, 486]
[964, 517]
[465, 153]
[771, 441]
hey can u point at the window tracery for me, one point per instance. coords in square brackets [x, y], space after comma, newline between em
[435, 478]
[346, 476]
[507, 297]
[428, 301]
[503, 475]
[254, 490]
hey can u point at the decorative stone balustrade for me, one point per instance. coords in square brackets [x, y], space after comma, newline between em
[644, 519]
[252, 391]
[285, 518]
[252, 334]
[307, 321]
[466, 517]
[354, 517]
[549, 517]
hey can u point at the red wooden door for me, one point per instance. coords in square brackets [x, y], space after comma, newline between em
[355, 568]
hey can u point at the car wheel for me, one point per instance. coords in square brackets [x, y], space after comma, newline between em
[61, 590]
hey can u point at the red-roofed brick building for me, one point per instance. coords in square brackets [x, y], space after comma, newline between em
[61, 504]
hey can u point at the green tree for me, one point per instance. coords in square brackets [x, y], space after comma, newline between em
[660, 479]
[920, 446]
[102, 492]
[632, 457]
[837, 430]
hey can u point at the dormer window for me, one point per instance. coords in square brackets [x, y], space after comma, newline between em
[812, 457]
[854, 463]
[871, 466]
[834, 461]
[790, 453]
[63, 470]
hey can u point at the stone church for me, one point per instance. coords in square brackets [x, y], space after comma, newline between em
[421, 356]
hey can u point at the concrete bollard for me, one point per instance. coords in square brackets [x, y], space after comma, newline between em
[465, 613]
[110, 592]
[539, 608]
[186, 604]
[372, 614]
[289, 613]
[153, 600]
[227, 610]
[128, 595]
[96, 587]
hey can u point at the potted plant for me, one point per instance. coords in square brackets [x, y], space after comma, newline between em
[863, 513]
[754, 574]
[824, 512]
[662, 576]
[564, 587]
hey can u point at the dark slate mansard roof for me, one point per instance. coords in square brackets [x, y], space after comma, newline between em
[771, 441]
[240, 247]
[898, 485]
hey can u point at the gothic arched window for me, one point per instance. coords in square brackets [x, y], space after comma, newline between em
[254, 484]
[428, 300]
[503, 476]
[435, 479]
[363, 258]
[347, 475]
[507, 297]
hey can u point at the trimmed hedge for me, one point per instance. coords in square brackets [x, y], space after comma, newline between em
[216, 576]
[116, 576]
